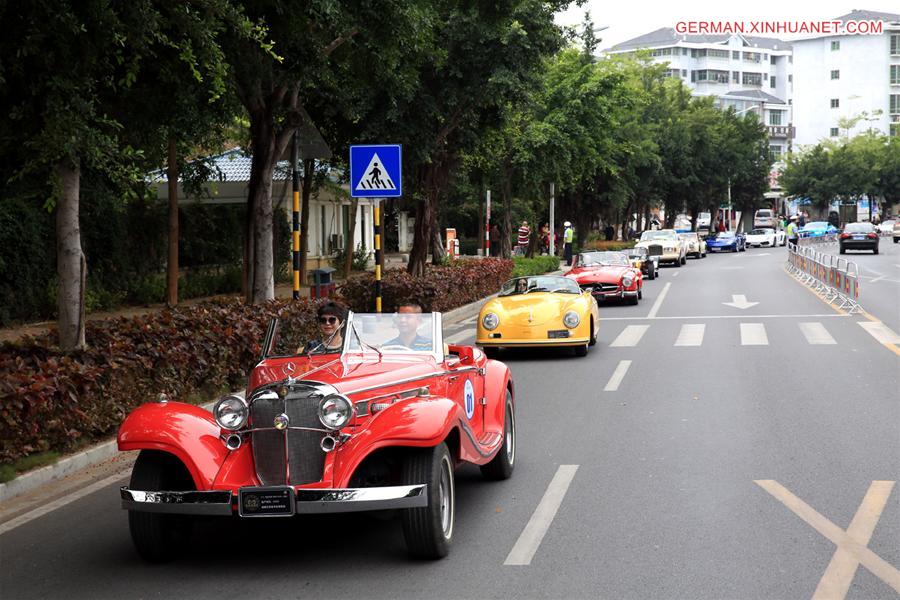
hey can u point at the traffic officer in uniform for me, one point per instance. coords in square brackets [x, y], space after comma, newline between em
[568, 236]
[791, 231]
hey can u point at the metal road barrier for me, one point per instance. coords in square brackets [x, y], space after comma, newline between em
[829, 239]
[833, 278]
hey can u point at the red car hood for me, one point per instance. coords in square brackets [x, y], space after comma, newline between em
[612, 274]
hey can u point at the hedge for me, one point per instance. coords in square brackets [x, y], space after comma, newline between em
[534, 266]
[612, 245]
[441, 288]
[53, 401]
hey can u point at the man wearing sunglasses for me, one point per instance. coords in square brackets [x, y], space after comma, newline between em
[407, 320]
[330, 317]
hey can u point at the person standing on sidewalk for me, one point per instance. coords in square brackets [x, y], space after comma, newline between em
[522, 239]
[791, 231]
[568, 237]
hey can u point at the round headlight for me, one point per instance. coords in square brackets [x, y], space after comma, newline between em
[231, 412]
[490, 321]
[335, 411]
[571, 320]
[627, 280]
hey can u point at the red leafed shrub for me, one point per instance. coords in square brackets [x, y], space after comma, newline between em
[50, 400]
[440, 289]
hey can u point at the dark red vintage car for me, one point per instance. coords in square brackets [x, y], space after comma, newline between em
[608, 275]
[377, 425]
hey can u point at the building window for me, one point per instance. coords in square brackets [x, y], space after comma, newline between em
[775, 153]
[752, 79]
[895, 104]
[735, 76]
[836, 74]
[895, 44]
[693, 76]
[895, 74]
[790, 79]
[835, 103]
[661, 52]
[684, 72]
[836, 45]
[772, 59]
[834, 132]
[772, 81]
[735, 55]
[713, 53]
[775, 117]
[684, 51]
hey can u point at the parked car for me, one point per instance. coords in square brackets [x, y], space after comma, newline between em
[703, 220]
[764, 217]
[733, 241]
[818, 229]
[859, 236]
[665, 244]
[886, 227]
[546, 310]
[608, 276]
[694, 244]
[640, 259]
[896, 232]
[765, 237]
[374, 425]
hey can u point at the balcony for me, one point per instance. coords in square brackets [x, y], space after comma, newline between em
[780, 131]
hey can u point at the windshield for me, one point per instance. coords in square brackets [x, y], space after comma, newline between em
[762, 231]
[637, 252]
[725, 234]
[662, 234]
[764, 213]
[528, 285]
[859, 228]
[687, 236]
[588, 259]
[817, 225]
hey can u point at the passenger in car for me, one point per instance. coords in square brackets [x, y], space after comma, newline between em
[408, 319]
[331, 317]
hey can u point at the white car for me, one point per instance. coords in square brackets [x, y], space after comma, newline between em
[703, 220]
[765, 237]
[886, 227]
[764, 217]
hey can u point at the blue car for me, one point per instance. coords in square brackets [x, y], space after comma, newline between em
[733, 241]
[817, 229]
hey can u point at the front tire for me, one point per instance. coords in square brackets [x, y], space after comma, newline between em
[491, 351]
[429, 530]
[159, 537]
[593, 334]
[502, 465]
[581, 351]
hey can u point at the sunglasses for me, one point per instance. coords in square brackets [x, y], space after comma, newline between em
[329, 320]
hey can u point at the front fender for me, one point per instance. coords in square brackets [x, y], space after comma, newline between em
[496, 380]
[421, 423]
[184, 430]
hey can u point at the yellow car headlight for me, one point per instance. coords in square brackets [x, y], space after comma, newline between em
[490, 321]
[571, 320]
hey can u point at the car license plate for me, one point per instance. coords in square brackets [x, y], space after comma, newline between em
[266, 501]
[859, 237]
[558, 333]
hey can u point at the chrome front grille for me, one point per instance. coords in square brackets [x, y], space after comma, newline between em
[288, 456]
[655, 250]
[601, 288]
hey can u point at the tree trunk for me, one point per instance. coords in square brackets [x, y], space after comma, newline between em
[71, 266]
[172, 263]
[418, 254]
[351, 233]
[506, 223]
[260, 263]
[308, 174]
[437, 246]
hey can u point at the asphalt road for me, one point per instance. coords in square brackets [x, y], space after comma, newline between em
[725, 460]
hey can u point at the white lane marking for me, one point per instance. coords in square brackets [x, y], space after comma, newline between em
[816, 334]
[691, 335]
[880, 332]
[67, 499]
[754, 334]
[458, 337]
[630, 336]
[675, 274]
[613, 384]
[879, 278]
[817, 316]
[530, 538]
[659, 301]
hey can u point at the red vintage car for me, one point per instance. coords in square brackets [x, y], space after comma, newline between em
[377, 425]
[608, 275]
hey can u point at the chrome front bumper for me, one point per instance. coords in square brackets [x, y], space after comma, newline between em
[306, 500]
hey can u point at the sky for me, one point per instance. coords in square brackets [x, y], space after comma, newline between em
[630, 18]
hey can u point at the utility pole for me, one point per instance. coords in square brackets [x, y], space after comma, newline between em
[552, 218]
[487, 226]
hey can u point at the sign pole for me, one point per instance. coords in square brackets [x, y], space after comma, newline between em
[378, 254]
[552, 218]
[295, 233]
[487, 227]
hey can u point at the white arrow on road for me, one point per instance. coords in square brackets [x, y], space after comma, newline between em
[740, 301]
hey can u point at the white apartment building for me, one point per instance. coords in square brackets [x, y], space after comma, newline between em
[841, 77]
[745, 72]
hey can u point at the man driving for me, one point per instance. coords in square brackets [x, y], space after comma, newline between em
[407, 320]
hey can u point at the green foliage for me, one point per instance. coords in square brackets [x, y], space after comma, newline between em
[53, 401]
[10, 471]
[360, 260]
[534, 266]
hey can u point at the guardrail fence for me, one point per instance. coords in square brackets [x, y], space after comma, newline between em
[834, 279]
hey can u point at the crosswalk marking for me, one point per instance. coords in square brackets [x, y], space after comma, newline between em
[816, 334]
[617, 376]
[691, 335]
[630, 336]
[754, 334]
[880, 332]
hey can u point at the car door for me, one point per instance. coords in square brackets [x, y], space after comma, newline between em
[466, 387]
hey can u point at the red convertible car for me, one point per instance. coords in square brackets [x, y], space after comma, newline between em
[376, 425]
[608, 275]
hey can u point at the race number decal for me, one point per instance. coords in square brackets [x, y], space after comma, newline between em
[470, 399]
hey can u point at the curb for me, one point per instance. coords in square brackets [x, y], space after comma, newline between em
[105, 450]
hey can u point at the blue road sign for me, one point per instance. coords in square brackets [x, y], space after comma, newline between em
[375, 171]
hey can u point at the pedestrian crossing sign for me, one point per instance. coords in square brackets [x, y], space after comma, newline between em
[375, 171]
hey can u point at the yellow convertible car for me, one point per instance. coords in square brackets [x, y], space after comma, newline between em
[544, 310]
